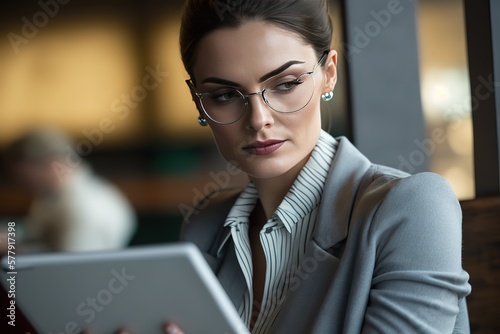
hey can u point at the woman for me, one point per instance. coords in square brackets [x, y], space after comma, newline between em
[321, 240]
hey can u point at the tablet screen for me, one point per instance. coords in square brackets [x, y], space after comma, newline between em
[137, 288]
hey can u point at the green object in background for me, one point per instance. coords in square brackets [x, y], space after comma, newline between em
[175, 161]
[156, 229]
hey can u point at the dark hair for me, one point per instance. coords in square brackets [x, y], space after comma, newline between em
[307, 18]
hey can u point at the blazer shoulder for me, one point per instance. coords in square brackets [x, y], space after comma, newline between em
[428, 190]
[387, 191]
[205, 220]
[422, 205]
[422, 187]
[377, 182]
[386, 180]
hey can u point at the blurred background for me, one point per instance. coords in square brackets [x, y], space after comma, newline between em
[109, 74]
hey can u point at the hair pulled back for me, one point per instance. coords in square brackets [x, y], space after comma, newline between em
[307, 18]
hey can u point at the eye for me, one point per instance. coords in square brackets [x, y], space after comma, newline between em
[225, 96]
[287, 86]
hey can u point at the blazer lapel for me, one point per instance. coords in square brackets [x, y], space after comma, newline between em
[344, 179]
[303, 301]
[230, 275]
[322, 259]
[211, 237]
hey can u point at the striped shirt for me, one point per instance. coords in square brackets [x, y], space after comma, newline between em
[284, 237]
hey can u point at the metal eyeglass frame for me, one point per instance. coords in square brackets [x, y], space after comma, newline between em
[245, 97]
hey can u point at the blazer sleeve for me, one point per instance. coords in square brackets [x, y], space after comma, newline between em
[418, 280]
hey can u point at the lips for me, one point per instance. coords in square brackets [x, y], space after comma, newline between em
[264, 147]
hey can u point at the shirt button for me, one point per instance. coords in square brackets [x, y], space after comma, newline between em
[269, 230]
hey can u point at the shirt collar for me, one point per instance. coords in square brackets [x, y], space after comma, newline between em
[243, 207]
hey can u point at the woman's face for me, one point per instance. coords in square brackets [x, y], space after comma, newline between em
[263, 143]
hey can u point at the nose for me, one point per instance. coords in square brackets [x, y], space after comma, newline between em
[260, 115]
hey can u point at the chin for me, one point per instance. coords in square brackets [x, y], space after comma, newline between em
[262, 169]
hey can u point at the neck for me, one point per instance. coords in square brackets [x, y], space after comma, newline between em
[273, 190]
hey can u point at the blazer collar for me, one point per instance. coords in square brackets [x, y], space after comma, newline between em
[341, 187]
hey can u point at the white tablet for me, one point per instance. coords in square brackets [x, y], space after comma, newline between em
[137, 288]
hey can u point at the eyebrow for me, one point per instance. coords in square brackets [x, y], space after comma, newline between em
[262, 78]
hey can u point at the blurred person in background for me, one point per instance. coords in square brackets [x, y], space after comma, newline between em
[72, 209]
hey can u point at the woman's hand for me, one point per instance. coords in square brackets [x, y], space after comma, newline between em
[168, 328]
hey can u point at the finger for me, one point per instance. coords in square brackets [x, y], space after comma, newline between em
[171, 328]
[122, 331]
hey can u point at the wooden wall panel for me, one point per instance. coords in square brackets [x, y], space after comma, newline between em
[481, 258]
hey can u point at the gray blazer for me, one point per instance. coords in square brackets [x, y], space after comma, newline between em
[385, 256]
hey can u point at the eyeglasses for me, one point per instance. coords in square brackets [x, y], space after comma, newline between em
[283, 94]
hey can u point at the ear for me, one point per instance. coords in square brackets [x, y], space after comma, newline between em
[196, 100]
[330, 72]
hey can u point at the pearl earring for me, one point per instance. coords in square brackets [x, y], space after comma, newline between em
[327, 96]
[202, 121]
